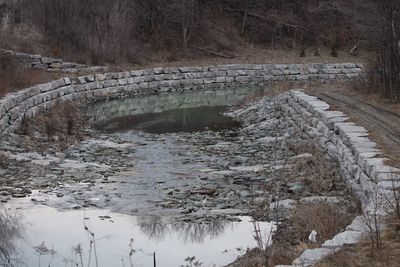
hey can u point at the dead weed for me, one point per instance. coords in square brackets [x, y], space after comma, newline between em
[291, 238]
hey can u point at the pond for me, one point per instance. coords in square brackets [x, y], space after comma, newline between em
[124, 217]
[53, 238]
[178, 120]
[173, 112]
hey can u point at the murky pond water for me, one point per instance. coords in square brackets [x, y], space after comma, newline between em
[173, 112]
[172, 121]
[46, 230]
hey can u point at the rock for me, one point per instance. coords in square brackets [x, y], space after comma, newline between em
[4, 200]
[301, 156]
[344, 238]
[257, 168]
[231, 212]
[312, 256]
[269, 139]
[18, 195]
[106, 181]
[295, 187]
[334, 200]
[283, 204]
[245, 193]
[188, 211]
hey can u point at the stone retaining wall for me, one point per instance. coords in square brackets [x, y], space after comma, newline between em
[26, 103]
[361, 165]
[35, 61]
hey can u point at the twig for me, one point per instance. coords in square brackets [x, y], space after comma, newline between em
[355, 47]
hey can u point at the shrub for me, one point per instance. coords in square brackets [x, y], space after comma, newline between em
[61, 126]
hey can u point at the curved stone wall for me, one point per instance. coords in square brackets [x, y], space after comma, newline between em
[26, 103]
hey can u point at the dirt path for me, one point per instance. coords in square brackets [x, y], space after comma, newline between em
[384, 125]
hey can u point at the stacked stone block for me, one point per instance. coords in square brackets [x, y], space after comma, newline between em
[362, 165]
[35, 61]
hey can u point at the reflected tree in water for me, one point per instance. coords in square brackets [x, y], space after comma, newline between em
[199, 231]
[189, 232]
[154, 227]
[10, 232]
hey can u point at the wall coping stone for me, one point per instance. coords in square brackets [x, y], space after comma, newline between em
[361, 164]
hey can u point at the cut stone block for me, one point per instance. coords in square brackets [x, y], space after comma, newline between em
[358, 224]
[388, 177]
[371, 163]
[312, 256]
[380, 169]
[332, 121]
[344, 238]
[345, 128]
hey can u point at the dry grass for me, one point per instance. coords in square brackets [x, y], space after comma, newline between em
[252, 258]
[361, 255]
[319, 176]
[57, 128]
[12, 81]
[291, 238]
[14, 77]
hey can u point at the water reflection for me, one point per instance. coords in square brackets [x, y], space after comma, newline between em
[213, 242]
[10, 234]
[198, 232]
[156, 228]
[106, 113]
[180, 120]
